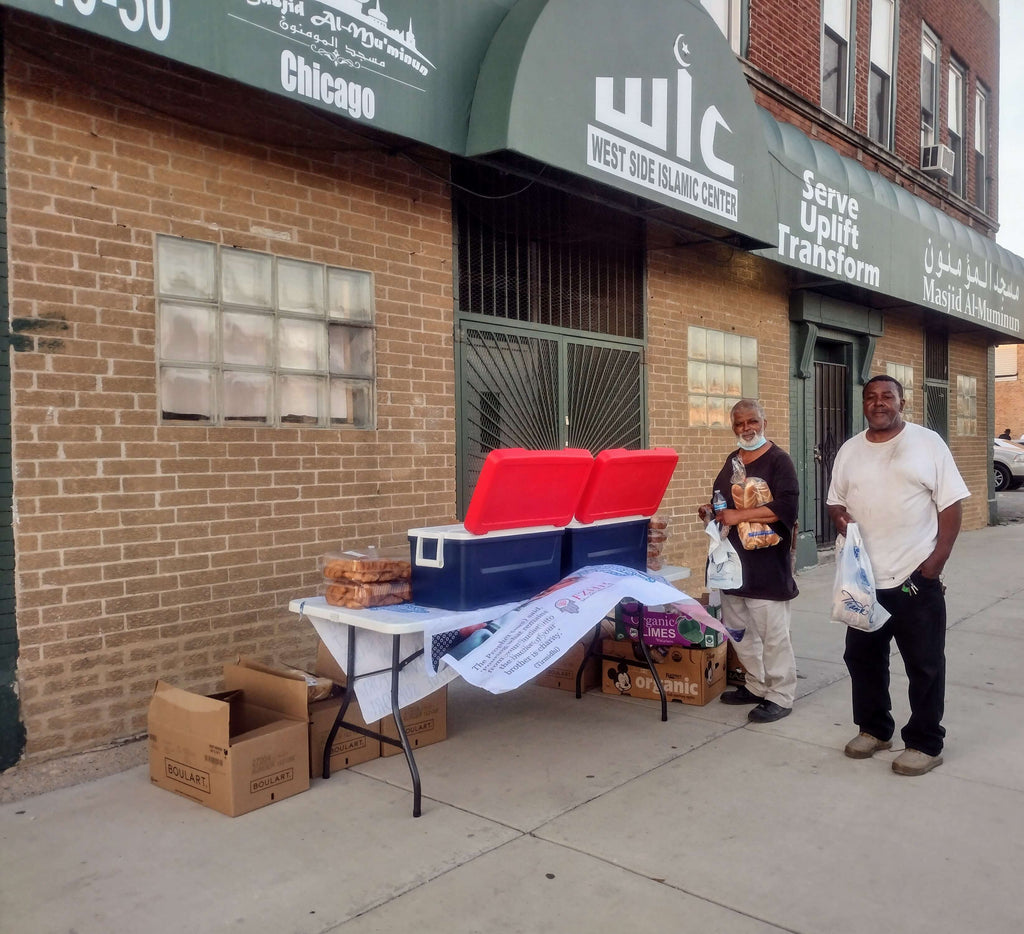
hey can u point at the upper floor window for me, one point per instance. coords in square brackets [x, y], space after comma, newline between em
[955, 124]
[728, 15]
[835, 56]
[880, 76]
[981, 147]
[929, 87]
[246, 338]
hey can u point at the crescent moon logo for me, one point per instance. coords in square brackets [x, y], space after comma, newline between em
[682, 51]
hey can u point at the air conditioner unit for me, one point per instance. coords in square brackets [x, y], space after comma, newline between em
[937, 160]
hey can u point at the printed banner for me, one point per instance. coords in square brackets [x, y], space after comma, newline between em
[505, 653]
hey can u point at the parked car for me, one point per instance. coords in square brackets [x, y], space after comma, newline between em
[1008, 464]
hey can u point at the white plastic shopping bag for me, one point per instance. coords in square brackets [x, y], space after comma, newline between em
[724, 569]
[854, 602]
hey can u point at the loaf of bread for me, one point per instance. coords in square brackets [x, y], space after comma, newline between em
[751, 493]
[361, 594]
[367, 569]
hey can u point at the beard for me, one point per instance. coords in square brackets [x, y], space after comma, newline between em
[759, 440]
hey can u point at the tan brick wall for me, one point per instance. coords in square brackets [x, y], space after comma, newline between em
[1009, 401]
[903, 342]
[146, 551]
[728, 290]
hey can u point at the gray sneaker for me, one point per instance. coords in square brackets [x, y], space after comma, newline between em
[914, 762]
[864, 746]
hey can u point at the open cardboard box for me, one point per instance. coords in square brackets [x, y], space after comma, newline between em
[233, 751]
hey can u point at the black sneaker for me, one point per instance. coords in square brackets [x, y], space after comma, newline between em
[768, 711]
[740, 696]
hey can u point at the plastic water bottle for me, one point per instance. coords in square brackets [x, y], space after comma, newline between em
[718, 502]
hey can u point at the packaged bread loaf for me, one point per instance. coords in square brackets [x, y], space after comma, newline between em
[749, 493]
[366, 565]
[362, 594]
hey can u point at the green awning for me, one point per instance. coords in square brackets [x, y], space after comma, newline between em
[651, 101]
[846, 224]
[645, 98]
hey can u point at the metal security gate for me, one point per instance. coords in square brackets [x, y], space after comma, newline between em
[830, 421]
[542, 391]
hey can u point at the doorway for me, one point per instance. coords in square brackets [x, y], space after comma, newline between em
[831, 421]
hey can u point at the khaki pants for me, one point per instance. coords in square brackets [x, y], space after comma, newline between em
[765, 650]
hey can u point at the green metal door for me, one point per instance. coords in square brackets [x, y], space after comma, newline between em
[539, 389]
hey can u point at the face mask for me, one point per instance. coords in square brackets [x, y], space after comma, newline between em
[758, 441]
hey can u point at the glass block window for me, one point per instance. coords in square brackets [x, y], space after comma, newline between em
[721, 370]
[966, 405]
[248, 338]
[905, 375]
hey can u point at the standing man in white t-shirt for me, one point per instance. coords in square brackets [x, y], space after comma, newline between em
[899, 483]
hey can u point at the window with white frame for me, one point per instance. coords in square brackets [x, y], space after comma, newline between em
[929, 86]
[904, 373]
[721, 370]
[980, 147]
[1006, 367]
[955, 124]
[966, 405]
[835, 56]
[728, 14]
[247, 338]
[880, 87]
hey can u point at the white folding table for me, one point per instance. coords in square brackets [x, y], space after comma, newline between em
[411, 620]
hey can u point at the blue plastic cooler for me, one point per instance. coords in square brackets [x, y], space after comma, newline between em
[457, 570]
[624, 489]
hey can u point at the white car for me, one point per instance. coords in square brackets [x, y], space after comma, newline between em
[1008, 464]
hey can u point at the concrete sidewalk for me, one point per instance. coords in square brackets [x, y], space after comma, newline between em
[544, 812]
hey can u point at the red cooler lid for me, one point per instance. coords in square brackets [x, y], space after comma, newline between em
[626, 483]
[519, 488]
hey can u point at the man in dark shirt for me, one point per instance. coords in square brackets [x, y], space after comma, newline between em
[760, 609]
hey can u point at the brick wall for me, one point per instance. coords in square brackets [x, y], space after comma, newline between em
[727, 290]
[785, 43]
[903, 342]
[148, 551]
[1009, 400]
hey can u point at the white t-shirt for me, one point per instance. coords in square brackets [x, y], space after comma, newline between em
[895, 490]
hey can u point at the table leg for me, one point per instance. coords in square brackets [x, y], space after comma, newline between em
[589, 654]
[349, 690]
[396, 667]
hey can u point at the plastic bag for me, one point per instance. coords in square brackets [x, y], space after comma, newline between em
[724, 569]
[854, 602]
[748, 492]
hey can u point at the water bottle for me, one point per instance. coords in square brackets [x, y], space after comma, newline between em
[718, 502]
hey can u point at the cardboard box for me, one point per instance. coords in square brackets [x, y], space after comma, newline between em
[679, 623]
[349, 747]
[689, 675]
[235, 751]
[426, 723]
[735, 673]
[562, 674]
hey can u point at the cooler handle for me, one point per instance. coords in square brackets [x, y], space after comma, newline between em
[422, 561]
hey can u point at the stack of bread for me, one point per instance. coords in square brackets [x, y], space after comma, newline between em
[657, 533]
[752, 492]
[364, 578]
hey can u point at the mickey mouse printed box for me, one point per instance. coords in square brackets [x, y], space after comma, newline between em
[689, 675]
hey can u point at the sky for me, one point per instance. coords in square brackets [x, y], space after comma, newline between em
[1011, 126]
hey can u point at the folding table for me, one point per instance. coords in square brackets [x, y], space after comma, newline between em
[370, 621]
[316, 608]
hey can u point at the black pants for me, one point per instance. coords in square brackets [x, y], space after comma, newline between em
[918, 624]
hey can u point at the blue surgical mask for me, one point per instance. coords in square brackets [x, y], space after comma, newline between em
[758, 441]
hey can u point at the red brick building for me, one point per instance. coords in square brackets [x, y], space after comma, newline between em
[269, 296]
